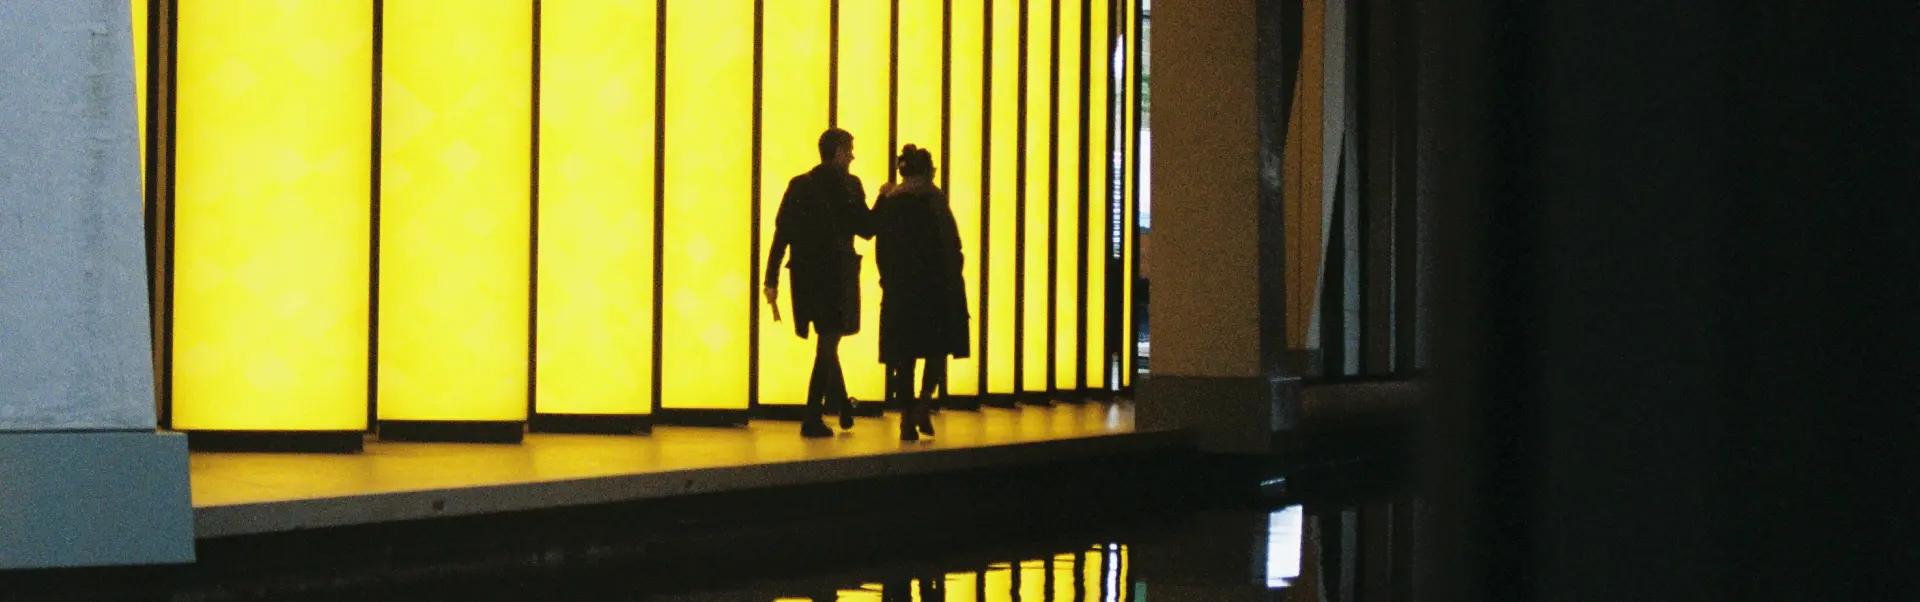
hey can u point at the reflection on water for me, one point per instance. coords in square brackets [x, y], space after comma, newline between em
[1296, 552]
[1283, 546]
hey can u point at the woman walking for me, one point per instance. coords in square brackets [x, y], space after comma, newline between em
[923, 307]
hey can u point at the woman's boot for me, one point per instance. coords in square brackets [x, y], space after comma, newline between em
[908, 412]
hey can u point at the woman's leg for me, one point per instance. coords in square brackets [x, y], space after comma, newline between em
[930, 383]
[900, 386]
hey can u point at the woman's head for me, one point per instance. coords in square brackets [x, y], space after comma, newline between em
[915, 162]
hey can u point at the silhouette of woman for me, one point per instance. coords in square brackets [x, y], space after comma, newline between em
[923, 308]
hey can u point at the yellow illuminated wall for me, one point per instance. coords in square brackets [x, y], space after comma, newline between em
[275, 199]
[1068, 243]
[271, 215]
[1003, 189]
[454, 209]
[864, 69]
[595, 312]
[963, 174]
[1099, 194]
[708, 292]
[1040, 125]
[794, 48]
[1130, 168]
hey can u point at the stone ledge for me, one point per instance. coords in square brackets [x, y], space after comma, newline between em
[109, 498]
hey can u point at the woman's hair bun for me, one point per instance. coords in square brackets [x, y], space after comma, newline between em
[915, 161]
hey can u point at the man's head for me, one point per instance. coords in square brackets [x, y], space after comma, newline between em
[836, 147]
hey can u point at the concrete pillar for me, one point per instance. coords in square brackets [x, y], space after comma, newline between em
[1215, 368]
[84, 477]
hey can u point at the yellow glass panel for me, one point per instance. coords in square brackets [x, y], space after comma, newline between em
[454, 209]
[271, 215]
[708, 289]
[1067, 301]
[137, 15]
[864, 69]
[595, 331]
[1040, 127]
[795, 48]
[1003, 189]
[964, 185]
[1131, 170]
[1099, 191]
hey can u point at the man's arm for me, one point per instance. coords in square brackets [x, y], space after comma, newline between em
[858, 217]
[778, 250]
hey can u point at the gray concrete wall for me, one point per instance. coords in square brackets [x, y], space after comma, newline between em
[74, 345]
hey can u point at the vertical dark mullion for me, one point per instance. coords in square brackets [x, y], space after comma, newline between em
[149, 206]
[1138, 21]
[373, 224]
[1109, 261]
[833, 64]
[986, 188]
[1086, 140]
[753, 214]
[1053, 202]
[171, 64]
[946, 95]
[533, 223]
[1406, 201]
[946, 115]
[1333, 285]
[659, 181]
[893, 86]
[1376, 187]
[1020, 216]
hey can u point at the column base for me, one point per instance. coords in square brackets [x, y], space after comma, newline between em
[453, 431]
[81, 499]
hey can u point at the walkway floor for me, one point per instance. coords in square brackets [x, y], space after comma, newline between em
[248, 493]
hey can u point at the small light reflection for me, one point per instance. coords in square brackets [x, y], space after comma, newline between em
[1283, 545]
[1112, 578]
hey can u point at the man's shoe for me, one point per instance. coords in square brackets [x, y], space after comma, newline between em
[814, 429]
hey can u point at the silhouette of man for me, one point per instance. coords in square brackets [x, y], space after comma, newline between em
[820, 214]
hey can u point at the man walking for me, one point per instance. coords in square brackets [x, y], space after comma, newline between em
[820, 214]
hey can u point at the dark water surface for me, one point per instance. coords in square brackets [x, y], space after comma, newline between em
[1115, 529]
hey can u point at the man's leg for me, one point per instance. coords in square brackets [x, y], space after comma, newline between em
[834, 381]
[819, 384]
